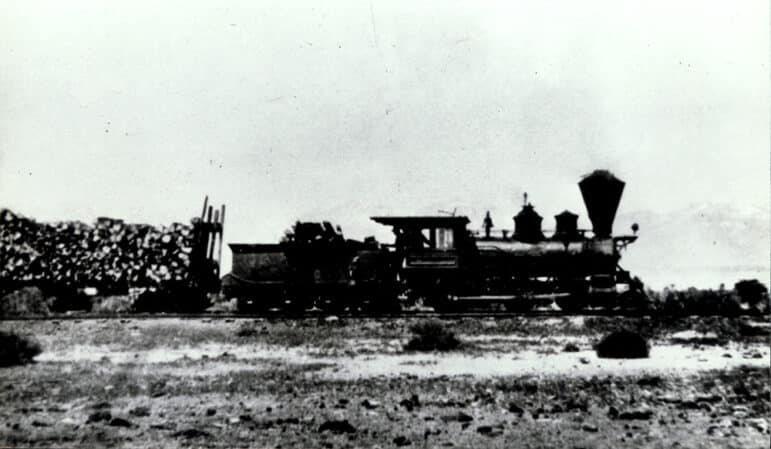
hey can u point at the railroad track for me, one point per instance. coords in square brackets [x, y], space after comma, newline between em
[326, 315]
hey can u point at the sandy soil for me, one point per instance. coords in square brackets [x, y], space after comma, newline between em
[332, 383]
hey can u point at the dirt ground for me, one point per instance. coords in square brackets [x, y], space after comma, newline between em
[332, 383]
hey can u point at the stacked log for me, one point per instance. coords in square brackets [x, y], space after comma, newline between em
[111, 255]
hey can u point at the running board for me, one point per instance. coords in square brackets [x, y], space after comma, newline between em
[505, 298]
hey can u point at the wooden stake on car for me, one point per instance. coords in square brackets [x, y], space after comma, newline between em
[205, 203]
[222, 232]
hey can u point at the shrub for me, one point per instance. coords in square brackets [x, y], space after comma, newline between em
[67, 298]
[623, 344]
[693, 301]
[247, 330]
[571, 347]
[25, 301]
[753, 294]
[17, 350]
[432, 336]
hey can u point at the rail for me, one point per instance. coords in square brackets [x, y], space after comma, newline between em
[346, 315]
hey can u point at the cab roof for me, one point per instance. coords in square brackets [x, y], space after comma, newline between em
[430, 221]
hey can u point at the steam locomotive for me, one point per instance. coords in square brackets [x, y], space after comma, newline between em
[439, 262]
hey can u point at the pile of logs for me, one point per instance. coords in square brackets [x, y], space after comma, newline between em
[110, 255]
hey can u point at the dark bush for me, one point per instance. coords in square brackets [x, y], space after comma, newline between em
[16, 350]
[337, 427]
[700, 302]
[623, 344]
[69, 298]
[571, 347]
[25, 301]
[432, 336]
[247, 330]
[753, 294]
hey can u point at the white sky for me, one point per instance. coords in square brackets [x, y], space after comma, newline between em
[347, 109]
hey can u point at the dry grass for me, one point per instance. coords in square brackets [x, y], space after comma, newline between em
[264, 403]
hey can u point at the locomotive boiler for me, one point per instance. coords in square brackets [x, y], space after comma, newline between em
[437, 260]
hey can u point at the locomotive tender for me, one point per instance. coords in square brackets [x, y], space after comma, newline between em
[436, 259]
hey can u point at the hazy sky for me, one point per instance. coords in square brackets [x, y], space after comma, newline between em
[346, 109]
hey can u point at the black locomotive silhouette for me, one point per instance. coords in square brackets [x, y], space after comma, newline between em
[438, 261]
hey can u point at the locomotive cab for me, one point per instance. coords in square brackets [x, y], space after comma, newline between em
[431, 253]
[429, 243]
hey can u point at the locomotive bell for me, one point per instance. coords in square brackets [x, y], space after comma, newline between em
[602, 193]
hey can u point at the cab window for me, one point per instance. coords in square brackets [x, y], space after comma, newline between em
[444, 238]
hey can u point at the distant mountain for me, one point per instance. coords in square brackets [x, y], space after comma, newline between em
[703, 245]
